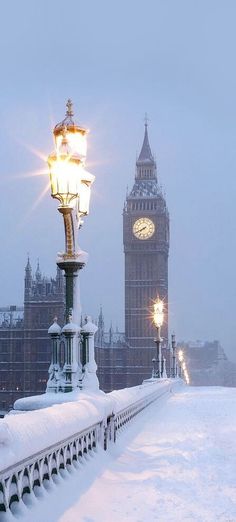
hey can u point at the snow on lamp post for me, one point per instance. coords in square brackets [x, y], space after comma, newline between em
[158, 318]
[89, 378]
[71, 185]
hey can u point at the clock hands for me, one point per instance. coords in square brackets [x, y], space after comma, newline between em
[141, 229]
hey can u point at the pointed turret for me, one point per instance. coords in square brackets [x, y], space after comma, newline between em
[101, 319]
[145, 155]
[28, 279]
[38, 274]
[59, 280]
[145, 164]
[28, 269]
[100, 331]
[111, 335]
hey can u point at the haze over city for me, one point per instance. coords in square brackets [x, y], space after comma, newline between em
[173, 60]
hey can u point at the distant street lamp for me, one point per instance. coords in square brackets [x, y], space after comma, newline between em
[181, 358]
[71, 186]
[183, 373]
[153, 367]
[158, 318]
[173, 345]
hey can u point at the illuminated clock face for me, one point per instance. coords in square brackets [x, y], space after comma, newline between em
[143, 228]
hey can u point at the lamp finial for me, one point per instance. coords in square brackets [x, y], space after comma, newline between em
[69, 105]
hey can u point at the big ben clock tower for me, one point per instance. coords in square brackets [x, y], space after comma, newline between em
[146, 248]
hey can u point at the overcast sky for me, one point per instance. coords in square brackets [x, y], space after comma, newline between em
[174, 60]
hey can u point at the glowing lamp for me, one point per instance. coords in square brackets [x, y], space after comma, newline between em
[65, 173]
[69, 181]
[158, 314]
[76, 135]
[84, 192]
[181, 355]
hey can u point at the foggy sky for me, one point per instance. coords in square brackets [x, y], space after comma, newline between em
[174, 60]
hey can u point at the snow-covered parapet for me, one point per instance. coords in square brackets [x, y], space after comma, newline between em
[70, 371]
[31, 431]
[5, 435]
[89, 379]
[79, 370]
[128, 396]
[54, 369]
[37, 444]
[54, 329]
[27, 433]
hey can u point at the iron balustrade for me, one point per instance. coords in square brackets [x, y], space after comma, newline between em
[26, 476]
[125, 415]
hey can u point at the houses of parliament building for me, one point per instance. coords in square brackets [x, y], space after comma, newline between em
[123, 359]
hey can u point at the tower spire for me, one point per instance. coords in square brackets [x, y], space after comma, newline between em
[28, 266]
[100, 331]
[145, 153]
[38, 271]
[28, 279]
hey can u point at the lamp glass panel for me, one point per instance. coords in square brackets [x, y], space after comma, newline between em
[65, 176]
[158, 315]
[84, 198]
[77, 142]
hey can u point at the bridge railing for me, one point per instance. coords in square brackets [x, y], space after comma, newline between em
[24, 477]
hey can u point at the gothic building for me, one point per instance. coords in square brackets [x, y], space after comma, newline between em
[43, 299]
[111, 356]
[25, 347]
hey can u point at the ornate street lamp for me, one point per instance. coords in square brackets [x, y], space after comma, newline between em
[71, 186]
[158, 318]
[173, 344]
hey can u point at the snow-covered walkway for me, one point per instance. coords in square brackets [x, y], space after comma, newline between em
[175, 462]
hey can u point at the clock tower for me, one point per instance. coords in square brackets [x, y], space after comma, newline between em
[146, 248]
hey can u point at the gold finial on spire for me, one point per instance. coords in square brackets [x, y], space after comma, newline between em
[69, 105]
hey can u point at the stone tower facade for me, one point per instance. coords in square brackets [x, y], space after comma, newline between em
[146, 248]
[25, 346]
[43, 298]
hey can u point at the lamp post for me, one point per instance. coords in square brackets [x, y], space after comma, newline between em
[70, 185]
[158, 318]
[173, 344]
[182, 364]
[153, 367]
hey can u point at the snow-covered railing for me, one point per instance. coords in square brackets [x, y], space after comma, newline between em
[25, 477]
[126, 414]
[107, 413]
